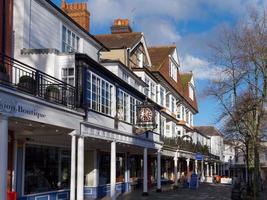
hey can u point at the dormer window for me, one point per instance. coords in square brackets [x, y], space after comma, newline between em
[191, 92]
[140, 59]
[173, 71]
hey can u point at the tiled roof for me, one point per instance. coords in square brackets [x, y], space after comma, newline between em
[120, 40]
[160, 64]
[208, 130]
[159, 54]
[185, 79]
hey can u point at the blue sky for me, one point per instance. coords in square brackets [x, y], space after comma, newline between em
[191, 24]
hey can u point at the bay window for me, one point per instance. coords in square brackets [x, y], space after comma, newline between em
[98, 93]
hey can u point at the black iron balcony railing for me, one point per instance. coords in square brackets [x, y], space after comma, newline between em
[22, 77]
[184, 145]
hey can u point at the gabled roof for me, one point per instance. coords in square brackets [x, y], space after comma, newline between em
[120, 40]
[208, 130]
[159, 54]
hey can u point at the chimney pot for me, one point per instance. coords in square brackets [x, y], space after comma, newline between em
[121, 26]
[78, 12]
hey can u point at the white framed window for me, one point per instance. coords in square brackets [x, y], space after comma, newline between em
[98, 93]
[70, 41]
[162, 96]
[153, 91]
[168, 101]
[140, 59]
[133, 103]
[68, 75]
[172, 104]
[147, 88]
[173, 71]
[123, 103]
[178, 112]
[125, 77]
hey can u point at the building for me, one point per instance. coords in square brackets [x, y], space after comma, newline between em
[85, 116]
[159, 67]
[214, 165]
[95, 111]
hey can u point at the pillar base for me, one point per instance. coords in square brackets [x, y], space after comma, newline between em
[145, 194]
[159, 190]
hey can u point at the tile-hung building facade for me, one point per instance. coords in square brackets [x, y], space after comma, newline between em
[159, 67]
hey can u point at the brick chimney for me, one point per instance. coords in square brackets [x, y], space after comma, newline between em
[78, 12]
[121, 26]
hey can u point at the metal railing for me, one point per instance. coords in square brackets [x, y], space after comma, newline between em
[27, 79]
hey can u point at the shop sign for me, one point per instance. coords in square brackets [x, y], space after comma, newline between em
[199, 156]
[12, 107]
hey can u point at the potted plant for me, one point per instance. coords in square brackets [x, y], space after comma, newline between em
[3, 73]
[52, 93]
[27, 84]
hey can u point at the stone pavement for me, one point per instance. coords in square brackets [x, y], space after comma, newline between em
[204, 192]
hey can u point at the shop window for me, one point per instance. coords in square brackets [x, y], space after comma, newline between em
[46, 169]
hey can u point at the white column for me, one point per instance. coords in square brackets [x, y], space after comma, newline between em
[221, 169]
[187, 164]
[127, 172]
[73, 166]
[96, 170]
[3, 156]
[180, 169]
[175, 168]
[145, 173]
[159, 171]
[14, 173]
[215, 169]
[196, 167]
[202, 170]
[113, 170]
[211, 171]
[80, 169]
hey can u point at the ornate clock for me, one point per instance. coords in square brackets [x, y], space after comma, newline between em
[146, 114]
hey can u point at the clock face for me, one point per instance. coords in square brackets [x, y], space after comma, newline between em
[145, 115]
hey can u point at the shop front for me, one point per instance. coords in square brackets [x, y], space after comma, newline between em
[35, 146]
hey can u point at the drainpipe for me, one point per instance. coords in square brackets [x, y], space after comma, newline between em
[127, 57]
[3, 28]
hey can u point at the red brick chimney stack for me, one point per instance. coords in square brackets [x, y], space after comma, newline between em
[78, 12]
[121, 26]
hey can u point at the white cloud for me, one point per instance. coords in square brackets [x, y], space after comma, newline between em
[201, 68]
[159, 31]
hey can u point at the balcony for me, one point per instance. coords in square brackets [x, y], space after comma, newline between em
[179, 143]
[21, 77]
